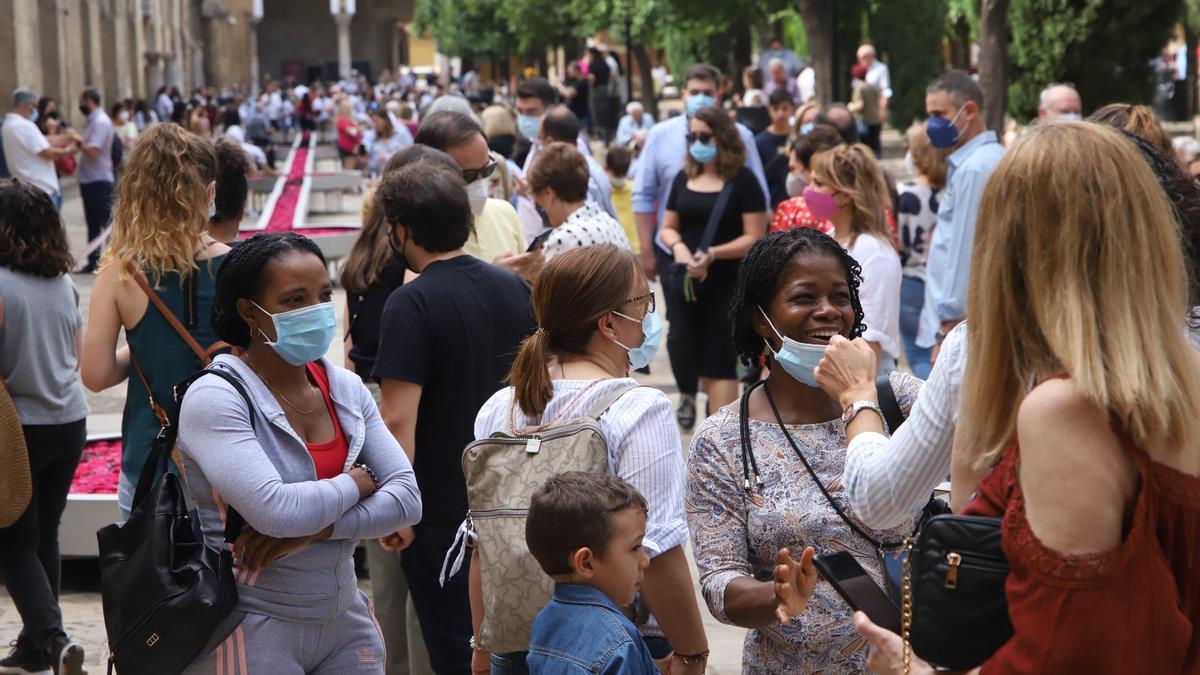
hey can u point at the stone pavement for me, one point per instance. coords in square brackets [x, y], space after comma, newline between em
[80, 598]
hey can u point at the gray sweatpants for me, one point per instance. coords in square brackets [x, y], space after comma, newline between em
[254, 644]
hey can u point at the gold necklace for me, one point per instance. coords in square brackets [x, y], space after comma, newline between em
[281, 397]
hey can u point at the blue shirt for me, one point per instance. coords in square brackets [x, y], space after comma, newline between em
[627, 126]
[664, 157]
[581, 631]
[949, 265]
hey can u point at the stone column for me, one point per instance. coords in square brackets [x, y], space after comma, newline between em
[252, 47]
[137, 52]
[95, 53]
[25, 45]
[124, 84]
[343, 34]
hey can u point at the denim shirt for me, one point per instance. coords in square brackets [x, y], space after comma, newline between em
[582, 631]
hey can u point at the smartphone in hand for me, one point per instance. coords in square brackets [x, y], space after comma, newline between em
[858, 589]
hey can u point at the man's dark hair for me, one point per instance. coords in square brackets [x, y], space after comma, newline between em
[560, 124]
[820, 138]
[92, 94]
[758, 281]
[538, 87]
[240, 276]
[232, 186]
[230, 116]
[574, 510]
[780, 96]
[32, 237]
[848, 127]
[617, 160]
[430, 202]
[447, 129]
[959, 86]
[702, 71]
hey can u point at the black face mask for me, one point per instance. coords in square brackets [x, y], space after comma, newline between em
[85, 110]
[398, 251]
[545, 216]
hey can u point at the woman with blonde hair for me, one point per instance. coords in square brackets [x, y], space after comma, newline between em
[916, 216]
[349, 136]
[500, 129]
[848, 189]
[160, 230]
[1080, 368]
[1136, 119]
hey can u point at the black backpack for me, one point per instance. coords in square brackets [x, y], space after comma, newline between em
[164, 591]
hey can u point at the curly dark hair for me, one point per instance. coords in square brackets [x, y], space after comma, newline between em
[758, 280]
[240, 276]
[32, 237]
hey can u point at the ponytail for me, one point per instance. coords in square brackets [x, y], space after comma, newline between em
[530, 376]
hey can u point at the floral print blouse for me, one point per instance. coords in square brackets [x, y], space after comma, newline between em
[738, 535]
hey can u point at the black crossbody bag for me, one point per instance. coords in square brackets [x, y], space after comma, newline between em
[163, 589]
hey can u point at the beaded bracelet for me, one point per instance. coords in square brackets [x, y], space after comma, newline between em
[364, 467]
[688, 659]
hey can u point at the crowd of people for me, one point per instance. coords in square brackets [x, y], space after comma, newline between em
[505, 285]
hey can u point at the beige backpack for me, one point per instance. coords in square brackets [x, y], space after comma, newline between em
[502, 473]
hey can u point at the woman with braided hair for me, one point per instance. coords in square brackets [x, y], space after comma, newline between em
[747, 501]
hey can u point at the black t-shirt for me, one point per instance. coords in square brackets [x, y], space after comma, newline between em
[579, 103]
[455, 331]
[694, 208]
[768, 145]
[776, 172]
[366, 310]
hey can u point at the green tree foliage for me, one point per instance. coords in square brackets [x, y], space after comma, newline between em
[909, 35]
[471, 29]
[1103, 46]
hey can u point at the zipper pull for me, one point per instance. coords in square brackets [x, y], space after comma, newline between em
[533, 446]
[953, 559]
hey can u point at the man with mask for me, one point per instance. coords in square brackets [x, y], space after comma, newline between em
[661, 160]
[95, 174]
[447, 341]
[29, 154]
[1060, 102]
[954, 103]
[534, 97]
[497, 236]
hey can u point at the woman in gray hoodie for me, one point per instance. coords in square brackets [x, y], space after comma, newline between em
[309, 466]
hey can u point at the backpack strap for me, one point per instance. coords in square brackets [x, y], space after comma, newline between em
[888, 403]
[607, 402]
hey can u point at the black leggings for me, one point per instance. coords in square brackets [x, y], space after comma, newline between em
[684, 365]
[29, 557]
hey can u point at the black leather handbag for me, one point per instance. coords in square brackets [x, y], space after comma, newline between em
[163, 590]
[954, 612]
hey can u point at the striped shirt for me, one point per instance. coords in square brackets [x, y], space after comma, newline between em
[889, 479]
[643, 445]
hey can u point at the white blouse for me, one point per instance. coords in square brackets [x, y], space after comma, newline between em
[880, 291]
[588, 226]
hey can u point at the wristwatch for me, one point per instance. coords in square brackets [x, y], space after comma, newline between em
[858, 406]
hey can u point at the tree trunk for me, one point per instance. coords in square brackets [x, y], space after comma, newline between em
[993, 61]
[1190, 39]
[819, 27]
[649, 100]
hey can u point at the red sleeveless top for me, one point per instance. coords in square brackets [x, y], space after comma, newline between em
[329, 457]
[1134, 608]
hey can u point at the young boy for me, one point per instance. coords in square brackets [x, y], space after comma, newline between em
[585, 530]
[616, 164]
[772, 141]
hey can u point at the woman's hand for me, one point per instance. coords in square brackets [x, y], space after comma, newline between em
[697, 267]
[886, 654]
[683, 255]
[847, 371]
[255, 550]
[398, 540]
[794, 583]
[364, 481]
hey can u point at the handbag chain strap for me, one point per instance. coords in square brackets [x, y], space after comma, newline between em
[906, 606]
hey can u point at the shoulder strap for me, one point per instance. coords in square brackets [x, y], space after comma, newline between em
[141, 280]
[607, 402]
[714, 218]
[888, 403]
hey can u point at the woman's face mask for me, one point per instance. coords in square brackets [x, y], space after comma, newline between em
[302, 335]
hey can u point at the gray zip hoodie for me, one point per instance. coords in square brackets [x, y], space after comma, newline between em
[267, 474]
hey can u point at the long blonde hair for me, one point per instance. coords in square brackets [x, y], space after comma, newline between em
[161, 210]
[1078, 266]
[853, 171]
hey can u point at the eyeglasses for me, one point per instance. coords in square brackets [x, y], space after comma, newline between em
[472, 175]
[649, 294]
[704, 137]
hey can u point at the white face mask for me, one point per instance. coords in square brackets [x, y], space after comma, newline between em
[908, 164]
[477, 192]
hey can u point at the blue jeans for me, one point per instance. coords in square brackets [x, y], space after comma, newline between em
[912, 300]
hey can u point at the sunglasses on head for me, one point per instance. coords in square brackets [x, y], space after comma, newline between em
[704, 137]
[472, 175]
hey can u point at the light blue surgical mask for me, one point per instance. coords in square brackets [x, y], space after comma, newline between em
[33, 117]
[1068, 117]
[302, 335]
[703, 152]
[642, 355]
[805, 128]
[796, 358]
[529, 125]
[698, 101]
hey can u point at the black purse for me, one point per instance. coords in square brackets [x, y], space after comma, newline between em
[163, 590]
[954, 612]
